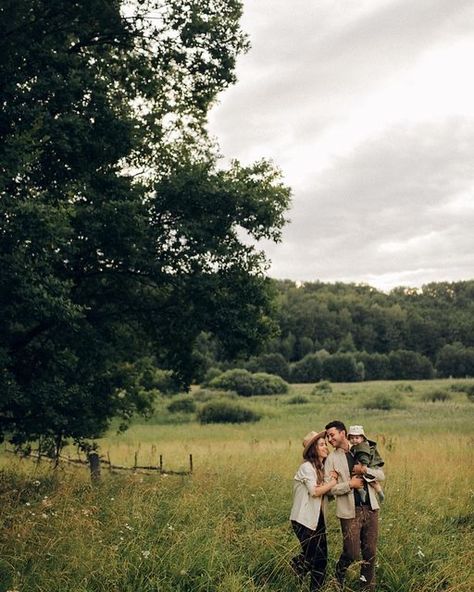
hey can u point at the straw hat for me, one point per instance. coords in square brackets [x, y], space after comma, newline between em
[310, 438]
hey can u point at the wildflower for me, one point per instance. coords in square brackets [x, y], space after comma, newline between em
[363, 579]
[420, 553]
[44, 515]
[146, 554]
[36, 483]
[183, 572]
[27, 504]
[170, 527]
[112, 499]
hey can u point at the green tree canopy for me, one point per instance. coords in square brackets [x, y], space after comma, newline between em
[120, 237]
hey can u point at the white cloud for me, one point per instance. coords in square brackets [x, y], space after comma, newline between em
[368, 107]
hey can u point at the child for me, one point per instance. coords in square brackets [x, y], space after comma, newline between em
[365, 452]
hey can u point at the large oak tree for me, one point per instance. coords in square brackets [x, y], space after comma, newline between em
[120, 236]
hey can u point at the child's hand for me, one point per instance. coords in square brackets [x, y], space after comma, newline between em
[334, 474]
[359, 469]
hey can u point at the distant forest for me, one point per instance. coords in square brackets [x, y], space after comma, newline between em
[354, 332]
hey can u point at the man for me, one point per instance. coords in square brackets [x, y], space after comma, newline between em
[359, 520]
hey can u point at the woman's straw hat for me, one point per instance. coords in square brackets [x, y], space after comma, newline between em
[310, 438]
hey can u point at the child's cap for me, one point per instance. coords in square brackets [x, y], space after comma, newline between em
[356, 430]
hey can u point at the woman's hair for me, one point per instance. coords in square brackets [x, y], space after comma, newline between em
[311, 455]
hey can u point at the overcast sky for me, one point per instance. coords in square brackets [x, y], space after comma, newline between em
[367, 106]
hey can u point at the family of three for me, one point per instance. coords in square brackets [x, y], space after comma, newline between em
[351, 474]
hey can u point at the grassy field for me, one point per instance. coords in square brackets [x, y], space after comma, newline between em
[225, 528]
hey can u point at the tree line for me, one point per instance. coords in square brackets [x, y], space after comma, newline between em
[347, 332]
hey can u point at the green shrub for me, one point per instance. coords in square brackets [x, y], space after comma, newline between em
[455, 360]
[322, 388]
[298, 400]
[212, 373]
[384, 401]
[376, 366]
[309, 369]
[342, 367]
[272, 364]
[437, 395]
[247, 384]
[407, 364]
[222, 411]
[182, 405]
[463, 387]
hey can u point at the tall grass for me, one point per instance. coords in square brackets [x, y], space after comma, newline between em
[226, 527]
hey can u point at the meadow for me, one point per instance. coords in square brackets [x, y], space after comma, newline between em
[226, 528]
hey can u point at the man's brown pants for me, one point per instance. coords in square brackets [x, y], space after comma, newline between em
[359, 536]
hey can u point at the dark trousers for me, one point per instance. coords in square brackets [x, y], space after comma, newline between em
[359, 536]
[314, 552]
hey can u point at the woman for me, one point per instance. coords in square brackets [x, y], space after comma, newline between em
[309, 509]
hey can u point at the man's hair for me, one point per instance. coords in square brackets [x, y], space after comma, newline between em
[338, 425]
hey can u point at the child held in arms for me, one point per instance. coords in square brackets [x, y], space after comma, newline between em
[365, 452]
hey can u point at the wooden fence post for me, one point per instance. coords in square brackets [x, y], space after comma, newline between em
[161, 463]
[190, 463]
[94, 465]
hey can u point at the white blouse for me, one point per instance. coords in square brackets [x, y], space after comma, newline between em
[306, 506]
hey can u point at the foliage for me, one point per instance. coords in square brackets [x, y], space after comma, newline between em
[455, 360]
[437, 395]
[342, 367]
[120, 236]
[202, 395]
[270, 364]
[212, 373]
[309, 369]
[409, 365]
[247, 384]
[182, 405]
[376, 366]
[348, 317]
[322, 388]
[221, 411]
[384, 402]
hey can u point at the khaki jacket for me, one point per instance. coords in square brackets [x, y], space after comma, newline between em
[345, 503]
[306, 507]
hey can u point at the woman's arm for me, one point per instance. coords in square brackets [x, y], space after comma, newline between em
[320, 490]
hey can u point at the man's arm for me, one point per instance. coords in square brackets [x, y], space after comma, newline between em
[344, 487]
[377, 473]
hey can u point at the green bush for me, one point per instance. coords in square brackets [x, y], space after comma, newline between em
[309, 369]
[376, 365]
[247, 384]
[322, 388]
[407, 364]
[273, 364]
[455, 360]
[464, 387]
[437, 395]
[182, 405]
[342, 368]
[384, 401]
[222, 411]
[212, 373]
[298, 400]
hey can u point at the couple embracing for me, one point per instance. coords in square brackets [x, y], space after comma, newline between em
[351, 473]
